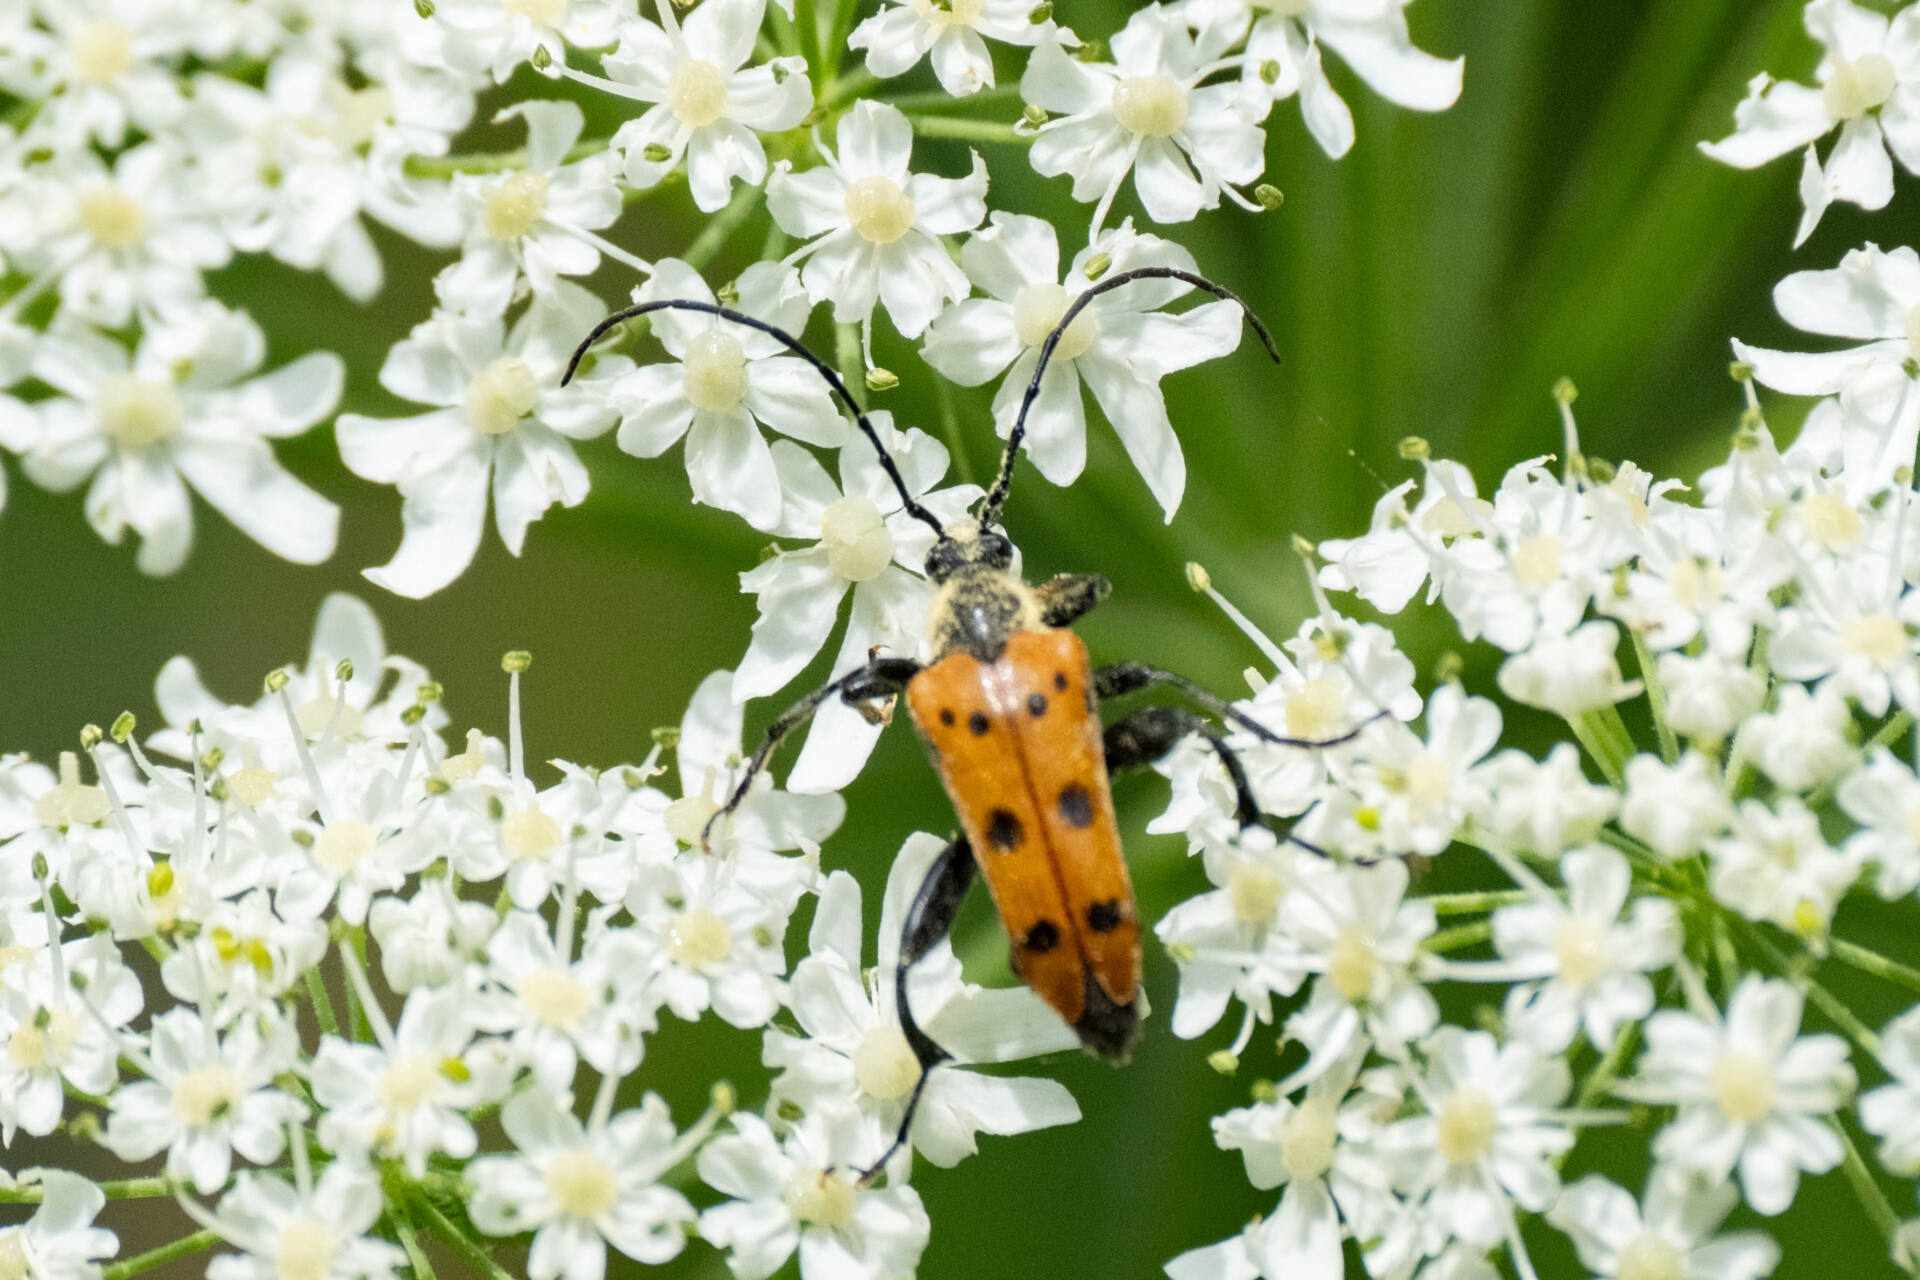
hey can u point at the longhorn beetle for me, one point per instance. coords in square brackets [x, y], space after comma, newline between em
[1009, 710]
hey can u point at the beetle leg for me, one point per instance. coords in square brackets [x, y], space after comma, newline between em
[1067, 597]
[929, 919]
[878, 678]
[1151, 732]
[1121, 678]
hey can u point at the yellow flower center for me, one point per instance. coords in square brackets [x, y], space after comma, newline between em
[512, 206]
[1537, 561]
[1255, 890]
[697, 92]
[1651, 1257]
[884, 1065]
[1315, 708]
[41, 1041]
[1307, 1138]
[556, 997]
[1150, 106]
[326, 712]
[343, 844]
[69, 803]
[253, 785]
[1879, 638]
[879, 210]
[1743, 1086]
[859, 544]
[822, 1197]
[99, 51]
[1828, 520]
[113, 218]
[581, 1183]
[408, 1083]
[529, 833]
[1352, 963]
[699, 939]
[1858, 86]
[13, 1254]
[716, 372]
[688, 816]
[1468, 1122]
[1038, 308]
[1580, 949]
[205, 1094]
[138, 411]
[500, 395]
[304, 1251]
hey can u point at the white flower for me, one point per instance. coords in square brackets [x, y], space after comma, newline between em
[582, 1188]
[866, 542]
[897, 37]
[318, 1232]
[491, 36]
[1361, 935]
[1229, 943]
[1751, 1095]
[209, 1097]
[59, 1242]
[1872, 298]
[405, 1099]
[1674, 810]
[429, 938]
[1883, 796]
[854, 1054]
[182, 412]
[1776, 866]
[1370, 37]
[719, 938]
[1544, 806]
[499, 417]
[95, 69]
[1869, 86]
[725, 382]
[1850, 635]
[534, 219]
[1669, 1235]
[51, 1037]
[1413, 795]
[1488, 1135]
[709, 104]
[801, 1193]
[557, 1011]
[1121, 345]
[1582, 965]
[1803, 741]
[873, 228]
[1709, 696]
[1569, 674]
[1141, 113]
[1892, 1112]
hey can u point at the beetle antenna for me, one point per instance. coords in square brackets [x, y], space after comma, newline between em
[792, 344]
[997, 496]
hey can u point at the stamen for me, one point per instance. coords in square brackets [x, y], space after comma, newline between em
[513, 663]
[376, 1017]
[1200, 580]
[277, 684]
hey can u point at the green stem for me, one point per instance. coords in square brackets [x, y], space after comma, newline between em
[941, 101]
[1656, 697]
[846, 354]
[362, 1023]
[1819, 797]
[1605, 1071]
[967, 130]
[806, 20]
[1459, 904]
[166, 1253]
[124, 1189]
[1596, 747]
[402, 1221]
[721, 226]
[1465, 935]
[322, 1003]
[1821, 998]
[459, 1241]
[1872, 1198]
[1874, 963]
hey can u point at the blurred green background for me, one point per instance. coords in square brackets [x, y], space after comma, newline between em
[1558, 221]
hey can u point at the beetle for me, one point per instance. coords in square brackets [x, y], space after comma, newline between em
[1009, 711]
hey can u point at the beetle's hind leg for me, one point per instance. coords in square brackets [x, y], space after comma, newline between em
[1122, 678]
[878, 678]
[929, 919]
[1067, 597]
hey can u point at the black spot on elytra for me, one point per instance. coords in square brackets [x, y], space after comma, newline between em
[1104, 917]
[946, 716]
[1004, 830]
[1060, 681]
[1036, 705]
[979, 723]
[1076, 806]
[1042, 937]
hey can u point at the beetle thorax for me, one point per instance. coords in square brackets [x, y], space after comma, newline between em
[976, 611]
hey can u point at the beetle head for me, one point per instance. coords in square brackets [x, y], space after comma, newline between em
[964, 546]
